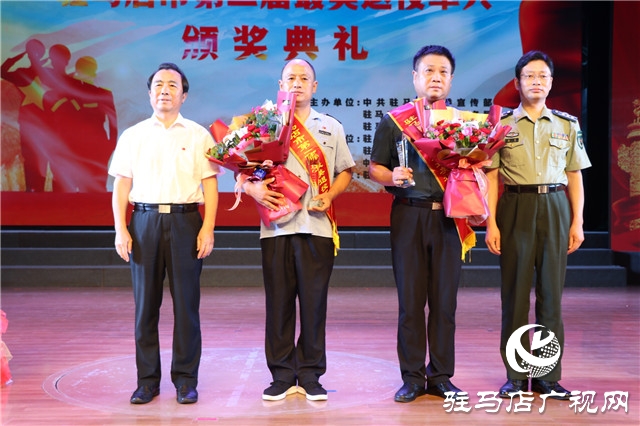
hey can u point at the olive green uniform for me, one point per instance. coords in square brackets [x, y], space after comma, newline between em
[534, 217]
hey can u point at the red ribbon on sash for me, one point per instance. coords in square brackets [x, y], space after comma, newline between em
[407, 120]
[308, 152]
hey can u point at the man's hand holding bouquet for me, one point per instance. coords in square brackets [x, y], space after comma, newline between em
[255, 146]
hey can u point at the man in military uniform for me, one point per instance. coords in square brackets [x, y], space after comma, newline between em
[537, 221]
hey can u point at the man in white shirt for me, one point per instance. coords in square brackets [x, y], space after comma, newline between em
[160, 167]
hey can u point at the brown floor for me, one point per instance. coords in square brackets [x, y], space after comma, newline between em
[73, 361]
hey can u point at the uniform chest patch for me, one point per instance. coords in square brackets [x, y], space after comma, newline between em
[512, 137]
[324, 132]
[561, 136]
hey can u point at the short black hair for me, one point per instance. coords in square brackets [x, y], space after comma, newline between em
[174, 67]
[434, 50]
[533, 55]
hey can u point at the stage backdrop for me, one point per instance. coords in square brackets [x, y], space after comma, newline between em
[625, 129]
[60, 127]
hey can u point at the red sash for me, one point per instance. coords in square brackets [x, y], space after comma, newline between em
[307, 151]
[407, 120]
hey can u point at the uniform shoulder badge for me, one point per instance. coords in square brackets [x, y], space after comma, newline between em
[506, 114]
[329, 115]
[580, 140]
[564, 115]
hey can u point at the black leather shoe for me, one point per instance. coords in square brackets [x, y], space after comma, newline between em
[408, 392]
[441, 388]
[543, 387]
[513, 386]
[187, 394]
[144, 394]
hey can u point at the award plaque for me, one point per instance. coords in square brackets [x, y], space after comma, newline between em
[401, 146]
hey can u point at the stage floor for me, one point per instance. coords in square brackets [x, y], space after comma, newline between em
[73, 361]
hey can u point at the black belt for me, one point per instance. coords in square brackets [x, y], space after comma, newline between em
[535, 189]
[414, 202]
[165, 208]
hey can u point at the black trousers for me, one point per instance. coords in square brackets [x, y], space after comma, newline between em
[534, 237]
[297, 265]
[165, 244]
[426, 254]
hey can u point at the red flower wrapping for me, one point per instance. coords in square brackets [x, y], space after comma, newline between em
[255, 143]
[5, 355]
[464, 143]
[264, 134]
[288, 184]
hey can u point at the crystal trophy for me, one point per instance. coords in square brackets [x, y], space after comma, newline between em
[401, 146]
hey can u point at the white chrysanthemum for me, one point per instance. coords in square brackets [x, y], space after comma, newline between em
[268, 105]
[239, 133]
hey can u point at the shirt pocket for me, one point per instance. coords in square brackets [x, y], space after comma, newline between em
[513, 154]
[185, 161]
[329, 150]
[558, 149]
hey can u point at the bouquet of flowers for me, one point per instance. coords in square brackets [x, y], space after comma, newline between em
[262, 134]
[462, 142]
[262, 124]
[254, 146]
[463, 135]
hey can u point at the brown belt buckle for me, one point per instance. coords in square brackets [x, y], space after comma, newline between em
[543, 189]
[164, 208]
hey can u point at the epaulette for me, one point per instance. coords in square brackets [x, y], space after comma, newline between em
[329, 115]
[506, 114]
[564, 115]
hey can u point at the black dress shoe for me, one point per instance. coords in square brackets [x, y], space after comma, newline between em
[408, 392]
[144, 394]
[441, 388]
[187, 394]
[513, 386]
[543, 387]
